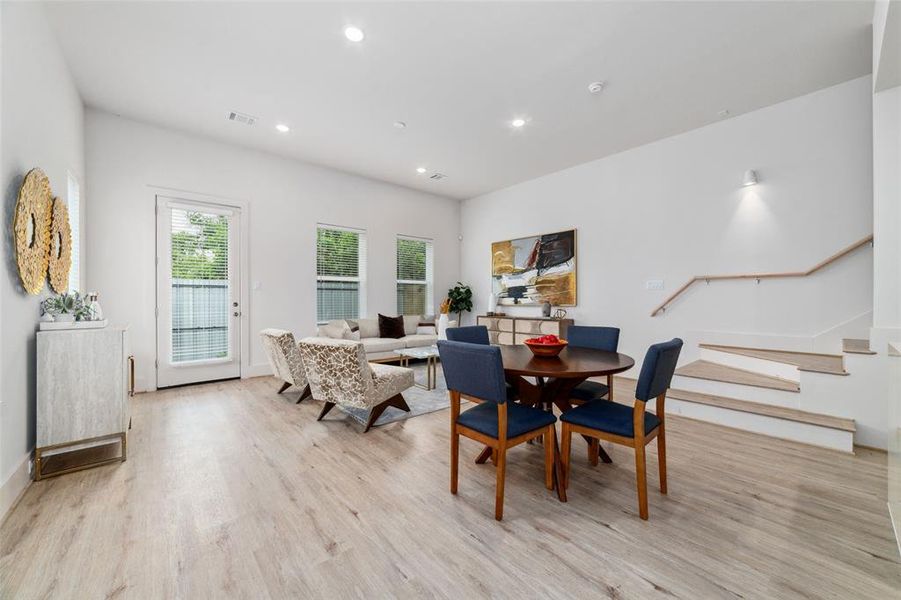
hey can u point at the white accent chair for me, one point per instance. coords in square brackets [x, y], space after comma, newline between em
[339, 373]
[284, 358]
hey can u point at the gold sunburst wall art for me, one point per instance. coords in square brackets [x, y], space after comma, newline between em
[60, 247]
[31, 229]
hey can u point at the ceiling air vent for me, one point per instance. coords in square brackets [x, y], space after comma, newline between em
[437, 176]
[242, 118]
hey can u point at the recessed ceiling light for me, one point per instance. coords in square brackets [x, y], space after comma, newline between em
[400, 124]
[518, 123]
[597, 87]
[354, 34]
[283, 128]
[420, 170]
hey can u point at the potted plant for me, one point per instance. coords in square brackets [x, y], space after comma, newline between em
[67, 307]
[460, 297]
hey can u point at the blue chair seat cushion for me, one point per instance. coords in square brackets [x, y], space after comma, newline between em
[520, 419]
[609, 417]
[588, 391]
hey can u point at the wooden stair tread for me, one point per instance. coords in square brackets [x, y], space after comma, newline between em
[853, 346]
[624, 387]
[833, 364]
[702, 369]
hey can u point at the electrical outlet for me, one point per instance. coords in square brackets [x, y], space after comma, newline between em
[653, 284]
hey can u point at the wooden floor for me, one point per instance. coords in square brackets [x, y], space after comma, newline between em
[231, 491]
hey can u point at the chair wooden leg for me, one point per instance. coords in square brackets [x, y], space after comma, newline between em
[455, 458]
[304, 394]
[285, 386]
[661, 457]
[641, 476]
[594, 452]
[484, 455]
[499, 493]
[549, 457]
[397, 401]
[328, 406]
[565, 447]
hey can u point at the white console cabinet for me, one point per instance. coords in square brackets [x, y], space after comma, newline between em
[84, 382]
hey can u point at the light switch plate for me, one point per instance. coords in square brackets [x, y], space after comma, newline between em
[653, 284]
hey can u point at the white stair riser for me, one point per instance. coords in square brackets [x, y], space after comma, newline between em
[805, 433]
[739, 392]
[749, 363]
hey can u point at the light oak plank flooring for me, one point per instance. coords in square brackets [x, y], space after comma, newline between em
[231, 491]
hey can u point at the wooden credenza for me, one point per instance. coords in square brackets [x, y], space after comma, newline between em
[515, 330]
[84, 381]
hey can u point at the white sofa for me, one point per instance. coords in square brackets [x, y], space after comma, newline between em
[366, 331]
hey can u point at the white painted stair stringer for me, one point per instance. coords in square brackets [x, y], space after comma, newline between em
[751, 363]
[739, 392]
[805, 433]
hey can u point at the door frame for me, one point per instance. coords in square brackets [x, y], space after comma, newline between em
[243, 206]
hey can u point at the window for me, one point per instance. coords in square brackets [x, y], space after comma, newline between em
[340, 273]
[414, 276]
[74, 201]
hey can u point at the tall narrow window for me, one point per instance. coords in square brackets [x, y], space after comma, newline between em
[414, 276]
[200, 285]
[74, 205]
[340, 273]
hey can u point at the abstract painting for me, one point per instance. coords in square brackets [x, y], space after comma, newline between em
[535, 270]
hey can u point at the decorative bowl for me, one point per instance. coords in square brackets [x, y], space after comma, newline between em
[546, 350]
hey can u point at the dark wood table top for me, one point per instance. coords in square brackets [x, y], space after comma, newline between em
[571, 362]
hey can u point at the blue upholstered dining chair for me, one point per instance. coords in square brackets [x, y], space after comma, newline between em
[597, 338]
[477, 334]
[474, 334]
[475, 371]
[630, 426]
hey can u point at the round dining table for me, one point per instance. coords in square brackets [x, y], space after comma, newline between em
[554, 379]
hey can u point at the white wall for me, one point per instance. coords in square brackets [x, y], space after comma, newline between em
[42, 125]
[286, 199]
[674, 208]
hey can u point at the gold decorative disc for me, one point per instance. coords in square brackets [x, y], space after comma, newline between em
[60, 247]
[31, 227]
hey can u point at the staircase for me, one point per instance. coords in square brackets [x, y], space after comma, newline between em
[763, 390]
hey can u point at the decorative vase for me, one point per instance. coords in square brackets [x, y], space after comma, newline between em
[64, 318]
[492, 304]
[546, 309]
[443, 324]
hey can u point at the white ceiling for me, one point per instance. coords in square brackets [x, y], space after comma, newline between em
[456, 73]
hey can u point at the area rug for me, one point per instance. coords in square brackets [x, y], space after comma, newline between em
[420, 401]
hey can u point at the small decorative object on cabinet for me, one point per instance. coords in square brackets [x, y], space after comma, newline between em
[85, 377]
[516, 330]
[546, 309]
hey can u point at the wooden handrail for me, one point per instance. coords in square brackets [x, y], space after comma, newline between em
[810, 271]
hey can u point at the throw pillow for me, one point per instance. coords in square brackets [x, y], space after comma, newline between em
[369, 328]
[411, 322]
[391, 327]
[334, 330]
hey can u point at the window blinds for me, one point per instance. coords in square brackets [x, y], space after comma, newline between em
[200, 285]
[340, 273]
[73, 204]
[414, 276]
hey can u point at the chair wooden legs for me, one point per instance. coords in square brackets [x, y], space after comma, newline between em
[397, 401]
[499, 493]
[565, 447]
[661, 457]
[455, 458]
[549, 443]
[641, 476]
[594, 452]
[285, 386]
[306, 393]
[328, 406]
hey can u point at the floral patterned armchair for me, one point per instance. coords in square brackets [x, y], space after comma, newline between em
[284, 358]
[339, 374]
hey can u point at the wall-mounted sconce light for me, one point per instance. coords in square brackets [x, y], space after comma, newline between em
[750, 178]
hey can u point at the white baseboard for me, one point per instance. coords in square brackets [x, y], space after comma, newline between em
[14, 486]
[256, 371]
